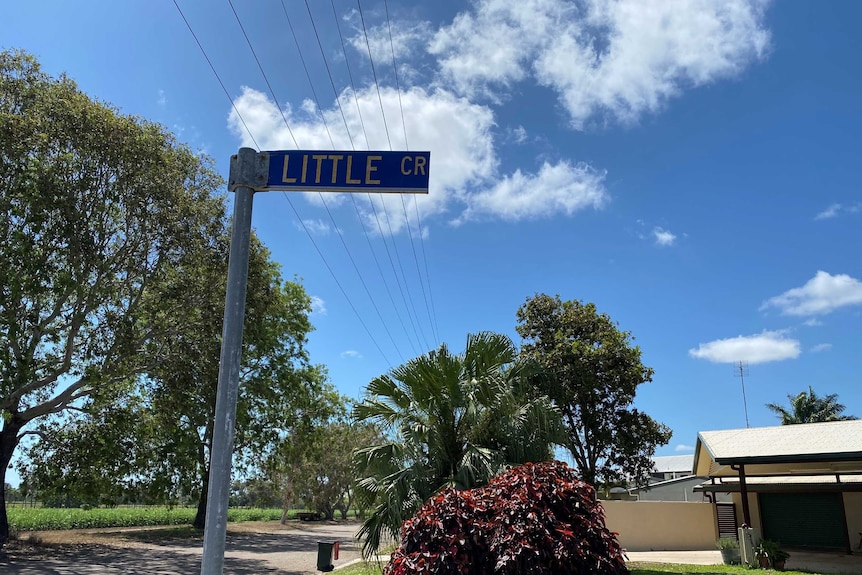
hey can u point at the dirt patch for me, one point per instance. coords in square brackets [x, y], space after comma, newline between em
[251, 548]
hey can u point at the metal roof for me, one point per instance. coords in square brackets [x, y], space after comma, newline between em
[828, 441]
[673, 463]
[778, 483]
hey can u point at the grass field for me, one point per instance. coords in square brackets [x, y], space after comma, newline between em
[49, 519]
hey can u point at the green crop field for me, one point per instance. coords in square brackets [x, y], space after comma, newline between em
[47, 519]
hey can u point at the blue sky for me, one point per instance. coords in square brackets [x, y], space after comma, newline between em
[692, 168]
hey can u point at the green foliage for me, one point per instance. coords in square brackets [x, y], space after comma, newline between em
[808, 407]
[535, 518]
[316, 465]
[95, 209]
[48, 519]
[727, 543]
[590, 370]
[449, 421]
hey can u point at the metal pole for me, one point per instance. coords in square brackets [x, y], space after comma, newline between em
[218, 492]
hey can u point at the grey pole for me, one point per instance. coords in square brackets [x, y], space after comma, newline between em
[247, 169]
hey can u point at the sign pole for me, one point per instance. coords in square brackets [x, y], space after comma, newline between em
[244, 170]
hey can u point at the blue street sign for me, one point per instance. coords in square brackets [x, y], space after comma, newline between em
[310, 170]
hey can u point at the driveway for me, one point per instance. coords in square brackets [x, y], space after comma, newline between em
[263, 548]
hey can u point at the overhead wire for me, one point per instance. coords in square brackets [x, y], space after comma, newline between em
[370, 199]
[242, 120]
[207, 58]
[432, 313]
[389, 140]
[353, 146]
[332, 143]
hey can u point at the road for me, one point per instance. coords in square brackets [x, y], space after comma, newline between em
[263, 548]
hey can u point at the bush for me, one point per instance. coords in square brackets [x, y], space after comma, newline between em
[535, 518]
[727, 543]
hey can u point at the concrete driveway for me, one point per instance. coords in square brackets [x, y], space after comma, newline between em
[270, 549]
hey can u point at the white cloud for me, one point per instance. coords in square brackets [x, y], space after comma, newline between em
[602, 57]
[683, 447]
[663, 237]
[559, 188]
[821, 347]
[836, 209]
[760, 348]
[520, 134]
[318, 305]
[162, 99]
[315, 227]
[813, 322]
[352, 353]
[822, 294]
[407, 38]
[465, 180]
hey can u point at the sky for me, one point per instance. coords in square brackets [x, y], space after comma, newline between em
[692, 168]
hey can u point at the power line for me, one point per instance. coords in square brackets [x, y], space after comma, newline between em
[323, 201]
[207, 58]
[353, 146]
[370, 200]
[389, 140]
[432, 318]
[290, 203]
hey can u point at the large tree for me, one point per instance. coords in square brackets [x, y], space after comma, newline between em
[450, 420]
[808, 407]
[591, 371]
[95, 208]
[160, 433]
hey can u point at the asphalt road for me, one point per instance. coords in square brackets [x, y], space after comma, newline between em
[271, 549]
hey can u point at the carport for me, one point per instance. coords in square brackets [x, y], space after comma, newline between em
[798, 484]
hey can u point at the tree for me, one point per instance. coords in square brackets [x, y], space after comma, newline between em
[95, 207]
[278, 385]
[155, 443]
[317, 465]
[449, 421]
[591, 371]
[808, 407]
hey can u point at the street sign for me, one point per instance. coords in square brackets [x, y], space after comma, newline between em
[348, 171]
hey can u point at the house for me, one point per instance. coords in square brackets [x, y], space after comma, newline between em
[671, 467]
[797, 484]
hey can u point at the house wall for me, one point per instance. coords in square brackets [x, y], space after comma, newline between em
[753, 508]
[662, 525]
[853, 512]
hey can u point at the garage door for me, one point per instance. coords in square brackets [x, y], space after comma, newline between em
[814, 520]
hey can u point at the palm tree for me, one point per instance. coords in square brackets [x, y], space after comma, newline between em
[808, 407]
[451, 420]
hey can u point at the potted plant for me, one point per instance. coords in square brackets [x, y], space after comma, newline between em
[770, 554]
[763, 552]
[780, 558]
[729, 548]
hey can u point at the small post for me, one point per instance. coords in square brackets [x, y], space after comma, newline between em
[245, 168]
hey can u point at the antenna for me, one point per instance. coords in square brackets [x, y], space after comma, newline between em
[740, 370]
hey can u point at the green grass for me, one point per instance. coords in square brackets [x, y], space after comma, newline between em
[636, 569]
[50, 519]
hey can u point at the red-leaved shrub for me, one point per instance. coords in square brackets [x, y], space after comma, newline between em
[533, 519]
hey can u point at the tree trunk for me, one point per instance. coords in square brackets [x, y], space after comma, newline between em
[201, 515]
[8, 443]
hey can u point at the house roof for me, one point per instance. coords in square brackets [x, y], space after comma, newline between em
[673, 463]
[801, 448]
[779, 483]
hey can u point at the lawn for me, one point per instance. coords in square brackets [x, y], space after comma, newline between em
[636, 569]
[48, 519]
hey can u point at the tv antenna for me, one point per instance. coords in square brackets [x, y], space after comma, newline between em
[740, 370]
